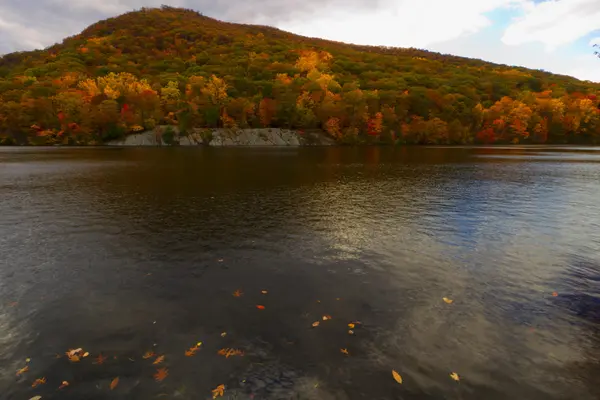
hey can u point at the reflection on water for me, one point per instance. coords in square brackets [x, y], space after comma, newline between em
[121, 251]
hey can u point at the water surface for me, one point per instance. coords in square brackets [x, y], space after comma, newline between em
[121, 251]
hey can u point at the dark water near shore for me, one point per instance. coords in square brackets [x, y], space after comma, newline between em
[122, 251]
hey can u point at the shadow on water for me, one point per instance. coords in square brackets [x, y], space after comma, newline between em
[121, 251]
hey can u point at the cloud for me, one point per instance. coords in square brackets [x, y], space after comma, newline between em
[554, 23]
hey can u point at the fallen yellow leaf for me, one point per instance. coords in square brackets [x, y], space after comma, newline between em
[72, 352]
[27, 360]
[326, 317]
[22, 370]
[218, 391]
[39, 381]
[161, 374]
[397, 376]
[114, 383]
[345, 351]
[86, 354]
[63, 385]
[158, 360]
[351, 325]
[351, 332]
[264, 292]
[447, 300]
[36, 398]
[223, 334]
[455, 376]
[315, 324]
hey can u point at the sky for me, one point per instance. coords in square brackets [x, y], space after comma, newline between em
[553, 35]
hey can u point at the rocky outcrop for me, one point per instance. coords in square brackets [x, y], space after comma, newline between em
[227, 137]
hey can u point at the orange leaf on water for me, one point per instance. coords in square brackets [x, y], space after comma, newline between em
[158, 360]
[326, 317]
[351, 325]
[218, 391]
[238, 293]
[447, 300]
[22, 370]
[100, 359]
[114, 383]
[555, 294]
[39, 381]
[64, 384]
[315, 324]
[396, 376]
[161, 374]
[455, 376]
[148, 354]
[227, 352]
[260, 307]
[264, 292]
[345, 351]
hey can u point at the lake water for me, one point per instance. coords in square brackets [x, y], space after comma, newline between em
[124, 251]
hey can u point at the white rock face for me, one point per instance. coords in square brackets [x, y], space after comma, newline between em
[227, 137]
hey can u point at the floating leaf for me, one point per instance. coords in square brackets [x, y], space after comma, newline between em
[39, 381]
[397, 376]
[227, 352]
[447, 300]
[192, 350]
[158, 360]
[264, 292]
[148, 354]
[27, 360]
[555, 294]
[238, 293]
[72, 352]
[218, 391]
[260, 307]
[326, 317]
[114, 383]
[315, 324]
[86, 354]
[36, 398]
[351, 332]
[223, 334]
[351, 325]
[455, 376]
[161, 374]
[22, 370]
[64, 384]
[100, 359]
[345, 351]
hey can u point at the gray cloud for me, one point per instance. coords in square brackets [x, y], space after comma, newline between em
[30, 24]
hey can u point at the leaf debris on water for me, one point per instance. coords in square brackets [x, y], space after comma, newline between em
[326, 317]
[22, 370]
[455, 376]
[158, 360]
[38, 381]
[64, 384]
[148, 354]
[161, 374]
[397, 377]
[223, 334]
[227, 352]
[350, 332]
[238, 293]
[192, 350]
[555, 294]
[218, 391]
[100, 359]
[114, 383]
[447, 300]
[315, 324]
[345, 351]
[260, 307]
[36, 398]
[351, 325]
[264, 292]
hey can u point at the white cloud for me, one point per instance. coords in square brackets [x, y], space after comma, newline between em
[554, 22]
[408, 23]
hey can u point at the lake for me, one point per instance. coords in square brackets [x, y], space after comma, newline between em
[127, 251]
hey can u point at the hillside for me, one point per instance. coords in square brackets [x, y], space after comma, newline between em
[172, 66]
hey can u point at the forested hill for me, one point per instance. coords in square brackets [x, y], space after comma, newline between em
[172, 66]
